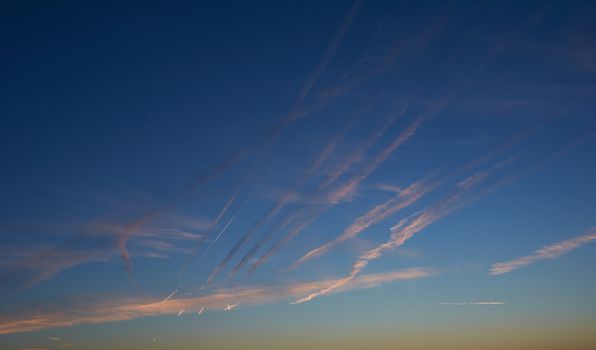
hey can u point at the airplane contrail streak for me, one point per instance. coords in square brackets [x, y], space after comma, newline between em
[170, 296]
[404, 199]
[225, 228]
[279, 225]
[292, 116]
[547, 252]
[248, 234]
[407, 228]
[214, 224]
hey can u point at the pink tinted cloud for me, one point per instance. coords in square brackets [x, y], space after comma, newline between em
[408, 227]
[547, 252]
[224, 299]
[404, 199]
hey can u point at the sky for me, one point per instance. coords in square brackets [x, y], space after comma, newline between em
[298, 174]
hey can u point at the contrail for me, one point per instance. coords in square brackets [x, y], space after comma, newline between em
[132, 228]
[538, 165]
[419, 45]
[325, 153]
[292, 116]
[249, 233]
[296, 111]
[415, 46]
[286, 239]
[170, 296]
[406, 229]
[472, 303]
[34, 318]
[404, 199]
[451, 90]
[329, 53]
[279, 225]
[357, 155]
[224, 229]
[198, 245]
[231, 307]
[547, 252]
[332, 177]
[284, 221]
[296, 230]
[332, 145]
[349, 187]
[61, 343]
[292, 215]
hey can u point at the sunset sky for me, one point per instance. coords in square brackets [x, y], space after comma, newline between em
[298, 175]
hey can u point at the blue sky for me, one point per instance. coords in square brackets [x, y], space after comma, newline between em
[297, 174]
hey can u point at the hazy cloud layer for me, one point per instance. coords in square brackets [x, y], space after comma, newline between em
[222, 300]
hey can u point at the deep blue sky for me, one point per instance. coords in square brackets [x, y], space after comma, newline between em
[148, 147]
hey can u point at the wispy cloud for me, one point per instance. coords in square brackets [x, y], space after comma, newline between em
[126, 309]
[384, 210]
[357, 155]
[50, 261]
[96, 242]
[61, 343]
[279, 225]
[399, 53]
[487, 303]
[331, 199]
[298, 227]
[547, 252]
[135, 226]
[250, 232]
[327, 56]
[405, 198]
[213, 225]
[231, 307]
[472, 303]
[388, 187]
[170, 296]
[347, 188]
[298, 111]
[408, 227]
[223, 230]
[290, 194]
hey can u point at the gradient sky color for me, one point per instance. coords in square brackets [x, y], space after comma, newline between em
[298, 174]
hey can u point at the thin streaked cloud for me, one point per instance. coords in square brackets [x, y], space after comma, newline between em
[547, 252]
[404, 230]
[405, 198]
[472, 303]
[221, 300]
